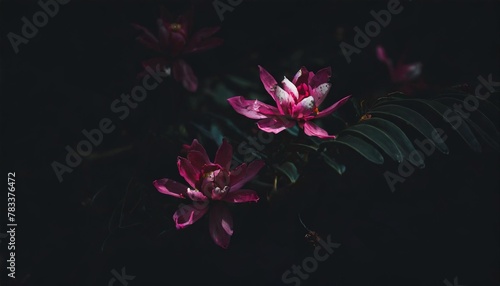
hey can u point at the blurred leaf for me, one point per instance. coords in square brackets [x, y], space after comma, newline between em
[229, 123]
[313, 148]
[293, 130]
[242, 81]
[357, 106]
[221, 93]
[216, 134]
[289, 169]
[110, 153]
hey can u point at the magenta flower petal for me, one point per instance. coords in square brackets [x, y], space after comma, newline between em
[382, 56]
[205, 45]
[186, 215]
[302, 76]
[322, 76]
[210, 168]
[184, 73]
[274, 125]
[171, 188]
[243, 174]
[196, 146]
[284, 100]
[237, 174]
[147, 39]
[312, 129]
[224, 155]
[196, 195]
[320, 92]
[268, 81]
[406, 72]
[186, 21]
[241, 196]
[221, 225]
[202, 40]
[159, 64]
[304, 107]
[163, 34]
[187, 171]
[332, 108]
[197, 159]
[290, 88]
[177, 41]
[253, 109]
[204, 34]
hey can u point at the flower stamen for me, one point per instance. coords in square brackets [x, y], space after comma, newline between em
[175, 27]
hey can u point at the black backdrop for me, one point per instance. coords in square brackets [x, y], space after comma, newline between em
[441, 224]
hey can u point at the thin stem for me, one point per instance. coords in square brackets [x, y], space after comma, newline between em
[301, 222]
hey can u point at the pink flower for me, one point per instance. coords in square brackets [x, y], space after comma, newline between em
[175, 41]
[211, 187]
[297, 101]
[401, 72]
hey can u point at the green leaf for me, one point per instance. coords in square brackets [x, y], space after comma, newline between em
[391, 97]
[379, 137]
[289, 169]
[293, 130]
[362, 147]
[203, 130]
[414, 119]
[229, 124]
[221, 93]
[339, 168]
[241, 81]
[216, 134]
[313, 148]
[404, 144]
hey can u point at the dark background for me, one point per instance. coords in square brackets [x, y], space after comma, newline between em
[440, 224]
